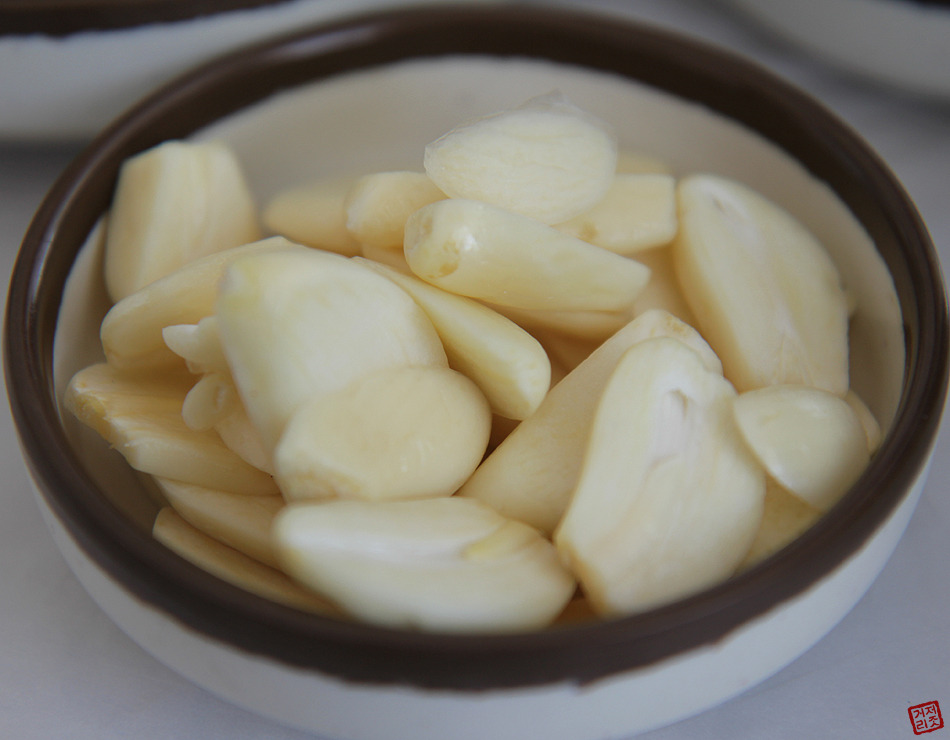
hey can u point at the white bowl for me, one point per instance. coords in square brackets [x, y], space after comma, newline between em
[367, 95]
[904, 44]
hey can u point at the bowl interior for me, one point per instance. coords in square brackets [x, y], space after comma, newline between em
[354, 102]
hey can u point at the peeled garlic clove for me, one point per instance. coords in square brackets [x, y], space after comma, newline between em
[808, 440]
[378, 205]
[199, 345]
[131, 331]
[141, 418]
[406, 432]
[173, 204]
[303, 323]
[546, 159]
[669, 499]
[531, 475]
[232, 566]
[241, 522]
[784, 518]
[445, 564]
[481, 251]
[505, 362]
[314, 214]
[765, 292]
[583, 325]
[637, 213]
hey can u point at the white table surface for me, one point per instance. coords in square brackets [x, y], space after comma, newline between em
[67, 672]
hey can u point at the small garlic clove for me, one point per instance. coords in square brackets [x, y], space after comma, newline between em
[141, 418]
[808, 440]
[175, 203]
[545, 159]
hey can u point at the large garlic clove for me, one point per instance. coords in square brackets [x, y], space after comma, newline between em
[404, 432]
[241, 522]
[131, 331]
[233, 566]
[784, 518]
[141, 418]
[546, 159]
[531, 475]
[378, 205]
[314, 214]
[505, 361]
[175, 203]
[668, 500]
[637, 213]
[482, 251]
[303, 323]
[765, 292]
[444, 564]
[808, 440]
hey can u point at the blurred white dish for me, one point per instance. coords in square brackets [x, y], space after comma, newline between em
[902, 43]
[70, 85]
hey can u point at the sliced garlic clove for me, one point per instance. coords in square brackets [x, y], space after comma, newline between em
[234, 567]
[668, 499]
[314, 214]
[531, 475]
[241, 522]
[482, 251]
[505, 361]
[808, 440]
[131, 331]
[303, 323]
[404, 432]
[637, 213]
[765, 292]
[444, 565]
[546, 159]
[378, 205]
[141, 418]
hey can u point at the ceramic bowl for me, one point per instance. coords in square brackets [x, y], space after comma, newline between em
[368, 94]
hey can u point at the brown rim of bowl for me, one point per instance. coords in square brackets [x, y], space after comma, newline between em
[582, 653]
[58, 18]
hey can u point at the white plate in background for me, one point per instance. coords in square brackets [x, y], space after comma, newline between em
[902, 43]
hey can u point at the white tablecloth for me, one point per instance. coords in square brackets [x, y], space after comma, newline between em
[67, 672]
